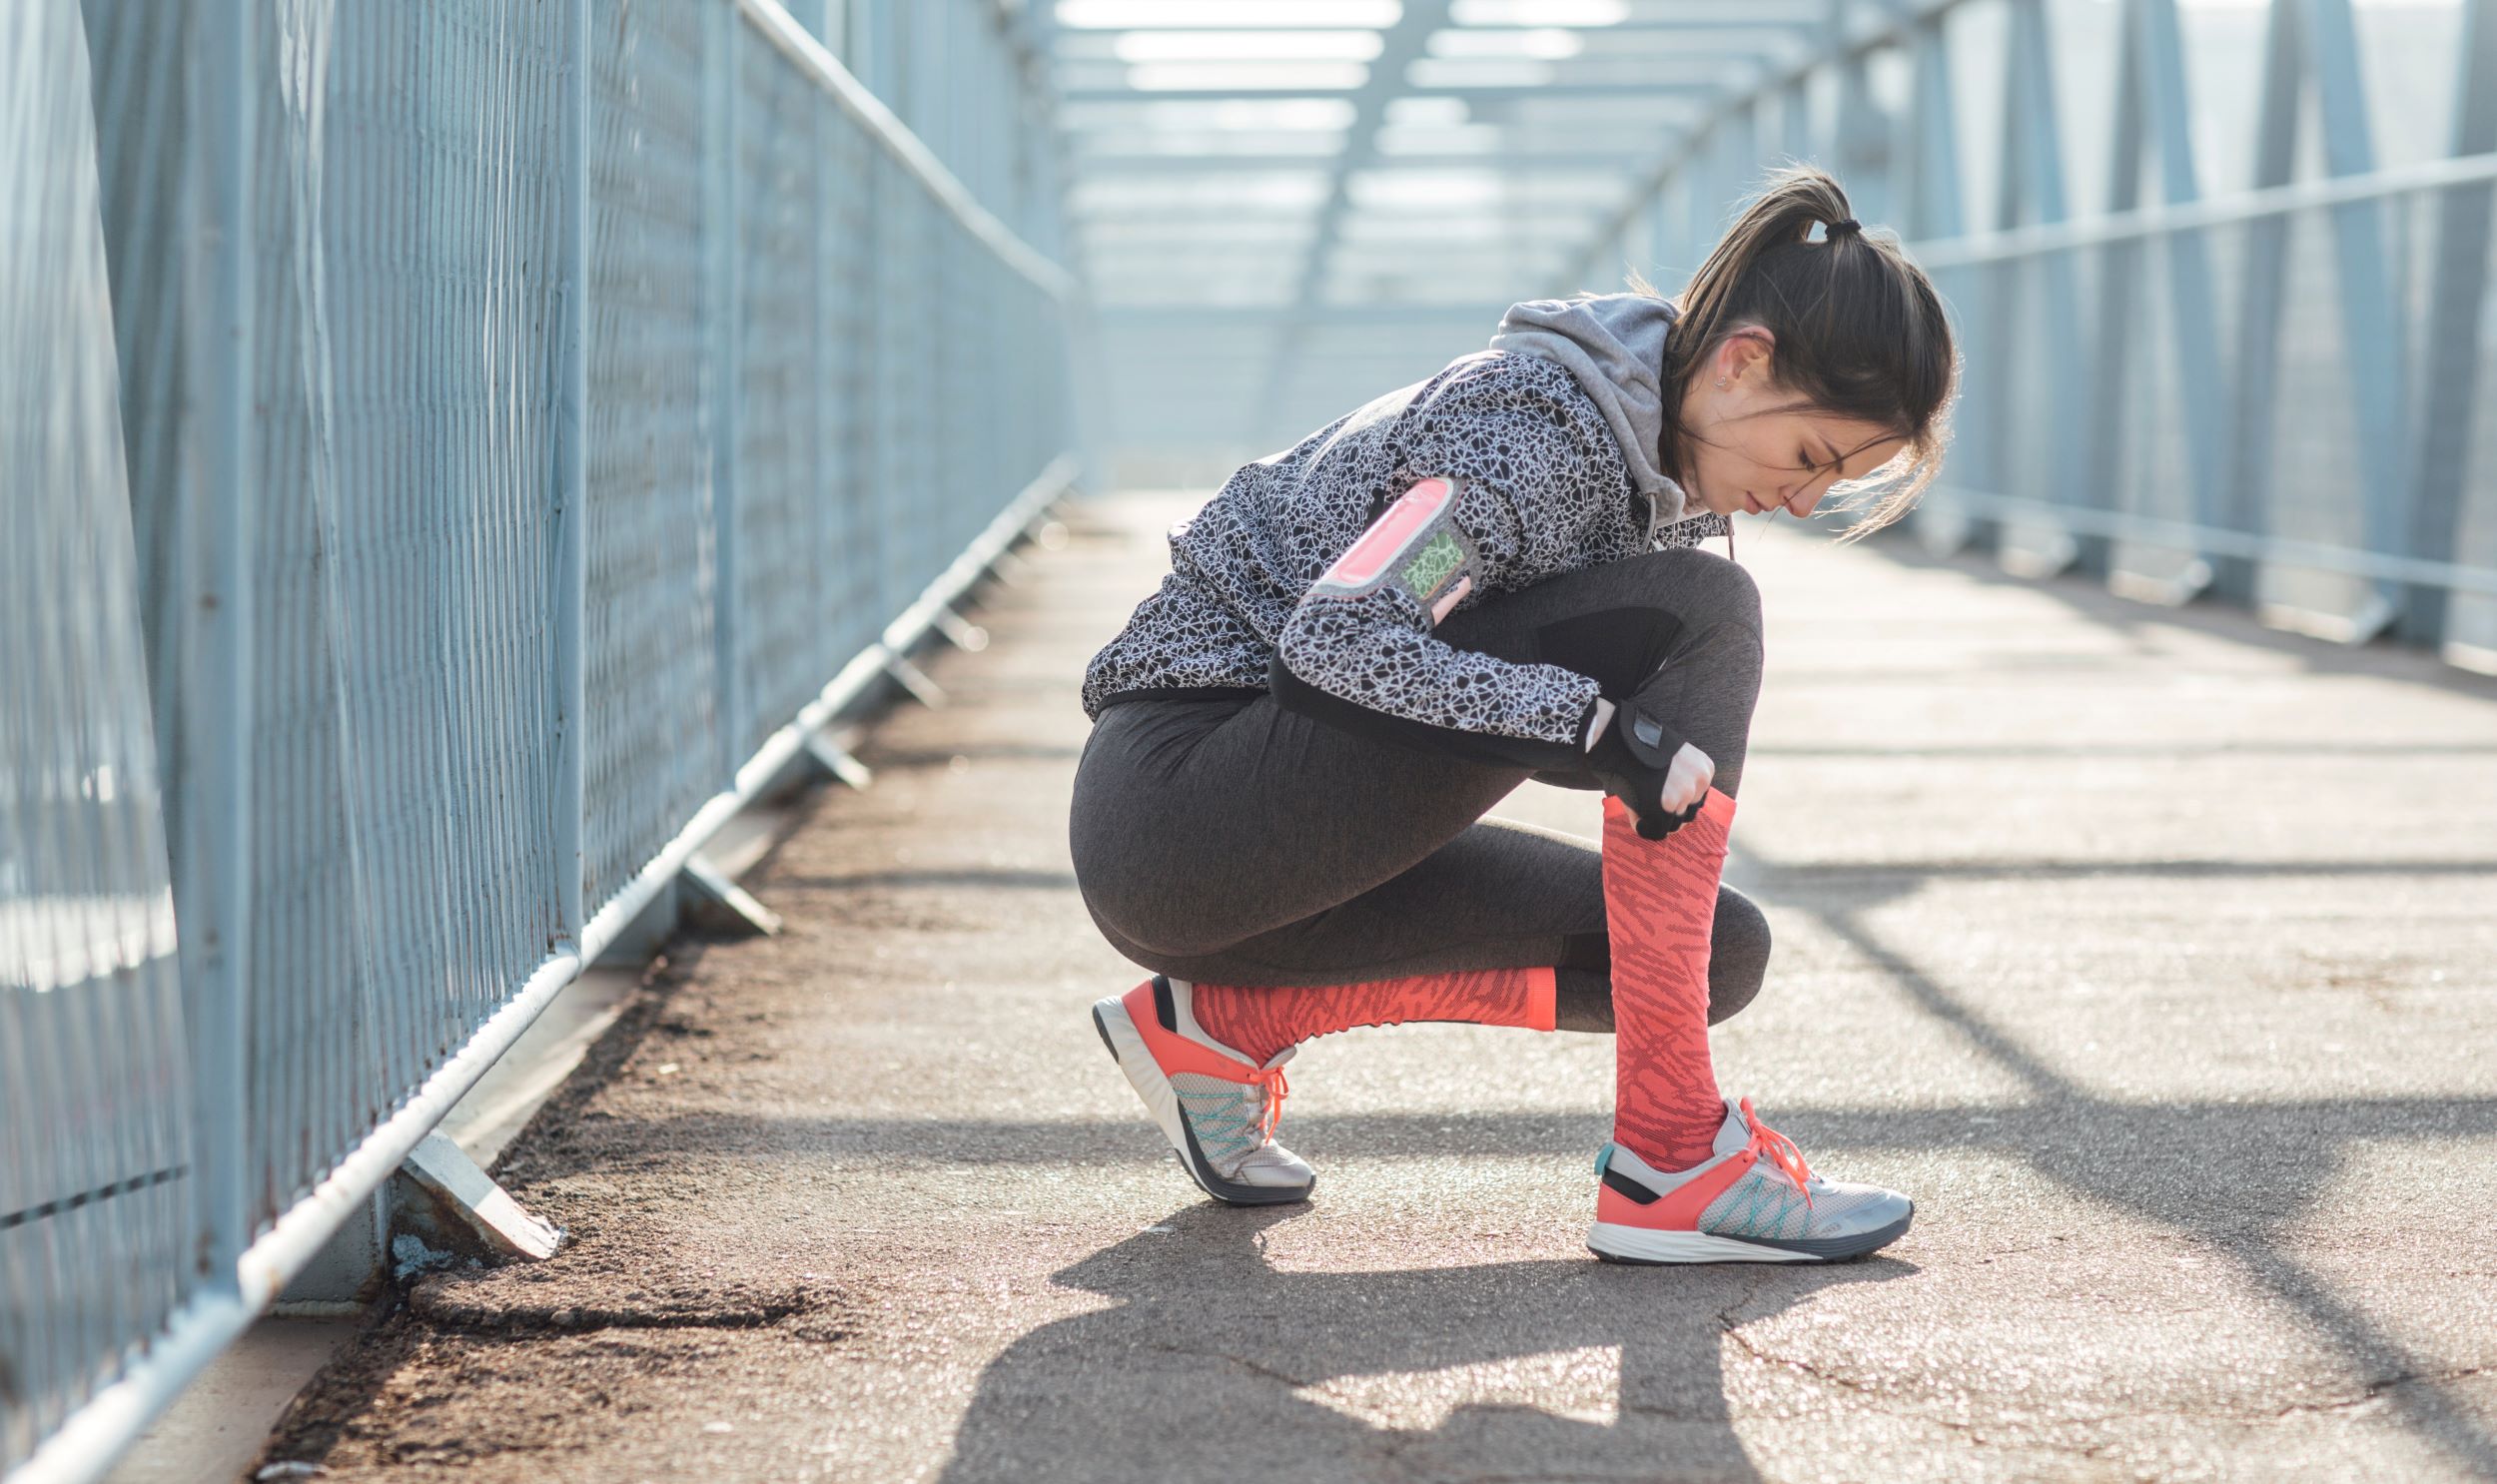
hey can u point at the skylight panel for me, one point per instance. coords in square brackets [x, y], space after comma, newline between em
[1475, 189]
[1138, 143]
[1428, 113]
[1293, 190]
[1539, 12]
[1331, 114]
[1248, 46]
[1479, 72]
[1464, 139]
[1542, 43]
[1127, 15]
[1211, 77]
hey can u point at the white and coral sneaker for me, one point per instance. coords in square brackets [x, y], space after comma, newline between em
[1755, 1201]
[1217, 1107]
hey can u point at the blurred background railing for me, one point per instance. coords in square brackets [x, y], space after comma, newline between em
[2219, 265]
[463, 450]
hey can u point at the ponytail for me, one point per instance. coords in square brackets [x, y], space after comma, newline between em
[1859, 330]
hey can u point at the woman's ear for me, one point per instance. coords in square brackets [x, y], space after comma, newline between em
[1747, 352]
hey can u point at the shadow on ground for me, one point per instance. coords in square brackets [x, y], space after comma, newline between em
[1211, 1361]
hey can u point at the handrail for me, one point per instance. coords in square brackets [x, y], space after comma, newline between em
[2217, 211]
[800, 45]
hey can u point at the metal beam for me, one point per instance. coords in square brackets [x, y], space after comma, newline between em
[1399, 44]
[2263, 285]
[2201, 389]
[2456, 296]
[2371, 317]
[2034, 138]
[1838, 48]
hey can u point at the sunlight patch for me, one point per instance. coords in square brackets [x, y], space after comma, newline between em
[1583, 1385]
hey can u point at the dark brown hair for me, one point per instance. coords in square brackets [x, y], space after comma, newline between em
[1860, 331]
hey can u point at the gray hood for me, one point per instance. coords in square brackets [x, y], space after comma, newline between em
[1614, 346]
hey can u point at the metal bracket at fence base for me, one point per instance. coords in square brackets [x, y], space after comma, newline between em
[444, 1206]
[913, 679]
[961, 632]
[719, 903]
[438, 1209]
[2188, 583]
[837, 762]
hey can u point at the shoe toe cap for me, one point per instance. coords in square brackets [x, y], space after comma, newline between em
[1847, 1208]
[1276, 1167]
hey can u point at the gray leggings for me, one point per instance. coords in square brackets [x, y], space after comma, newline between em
[1226, 840]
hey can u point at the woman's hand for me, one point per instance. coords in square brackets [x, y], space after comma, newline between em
[1686, 779]
[1664, 798]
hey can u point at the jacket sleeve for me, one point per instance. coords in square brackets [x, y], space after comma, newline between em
[1519, 485]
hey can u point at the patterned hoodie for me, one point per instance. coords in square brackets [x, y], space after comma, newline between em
[1552, 434]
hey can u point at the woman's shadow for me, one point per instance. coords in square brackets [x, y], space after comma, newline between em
[1211, 1364]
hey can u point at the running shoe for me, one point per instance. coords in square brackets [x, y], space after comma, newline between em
[1216, 1105]
[1755, 1201]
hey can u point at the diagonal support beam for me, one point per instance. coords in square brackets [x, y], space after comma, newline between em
[1400, 45]
[2457, 296]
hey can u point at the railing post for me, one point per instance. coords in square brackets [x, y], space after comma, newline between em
[2202, 387]
[213, 874]
[720, 292]
[570, 496]
[2453, 369]
[2264, 280]
[2372, 343]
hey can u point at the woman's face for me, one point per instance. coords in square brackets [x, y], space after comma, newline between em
[1751, 446]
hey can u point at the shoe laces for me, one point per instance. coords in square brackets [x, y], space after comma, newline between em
[1778, 1150]
[1272, 1082]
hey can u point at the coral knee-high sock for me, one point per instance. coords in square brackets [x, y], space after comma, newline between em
[1660, 901]
[1259, 1020]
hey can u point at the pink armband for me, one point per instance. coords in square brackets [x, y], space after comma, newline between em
[1416, 545]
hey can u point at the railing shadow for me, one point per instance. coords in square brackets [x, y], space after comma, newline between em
[2234, 1174]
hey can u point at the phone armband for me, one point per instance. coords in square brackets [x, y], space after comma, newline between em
[1416, 545]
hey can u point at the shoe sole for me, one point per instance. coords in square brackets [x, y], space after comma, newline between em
[1144, 1074]
[1644, 1248]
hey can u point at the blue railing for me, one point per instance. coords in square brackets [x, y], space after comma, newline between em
[478, 447]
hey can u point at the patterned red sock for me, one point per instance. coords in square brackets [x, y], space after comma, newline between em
[1660, 902]
[1258, 1021]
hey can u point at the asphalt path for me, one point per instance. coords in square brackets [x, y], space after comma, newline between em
[2150, 951]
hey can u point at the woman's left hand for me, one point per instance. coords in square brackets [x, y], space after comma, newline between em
[1687, 779]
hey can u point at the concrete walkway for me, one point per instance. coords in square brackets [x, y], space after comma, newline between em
[2151, 953]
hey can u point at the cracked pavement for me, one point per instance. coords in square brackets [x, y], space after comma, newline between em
[2150, 951]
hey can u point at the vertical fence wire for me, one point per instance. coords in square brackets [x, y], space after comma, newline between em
[95, 1128]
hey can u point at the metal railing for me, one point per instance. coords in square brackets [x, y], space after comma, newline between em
[2278, 392]
[536, 422]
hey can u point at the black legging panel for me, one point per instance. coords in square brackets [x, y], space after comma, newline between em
[1230, 840]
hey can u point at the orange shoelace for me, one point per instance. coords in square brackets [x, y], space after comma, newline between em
[1277, 1090]
[1780, 1152]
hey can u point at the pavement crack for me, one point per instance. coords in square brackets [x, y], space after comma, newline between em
[1255, 1369]
[2379, 1387]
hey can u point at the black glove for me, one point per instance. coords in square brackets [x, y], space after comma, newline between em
[1630, 759]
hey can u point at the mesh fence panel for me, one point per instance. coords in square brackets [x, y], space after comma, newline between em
[776, 500]
[651, 556]
[430, 217]
[94, 1098]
